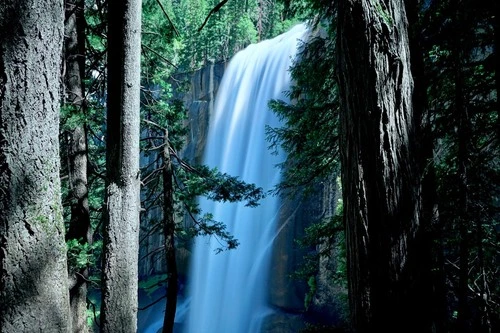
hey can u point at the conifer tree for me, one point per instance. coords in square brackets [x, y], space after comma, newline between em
[33, 271]
[381, 186]
[121, 228]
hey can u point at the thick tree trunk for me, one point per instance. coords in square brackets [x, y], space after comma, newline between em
[33, 272]
[79, 228]
[169, 232]
[382, 204]
[121, 229]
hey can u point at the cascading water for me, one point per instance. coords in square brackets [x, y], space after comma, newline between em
[228, 291]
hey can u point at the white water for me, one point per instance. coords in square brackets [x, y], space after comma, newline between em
[228, 291]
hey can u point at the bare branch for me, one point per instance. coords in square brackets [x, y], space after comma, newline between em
[150, 305]
[150, 175]
[152, 123]
[214, 10]
[159, 55]
[182, 163]
[153, 138]
[168, 18]
[150, 253]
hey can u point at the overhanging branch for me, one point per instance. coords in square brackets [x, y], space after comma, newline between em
[214, 10]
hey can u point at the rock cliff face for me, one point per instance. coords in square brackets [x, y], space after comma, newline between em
[328, 306]
[197, 91]
[287, 295]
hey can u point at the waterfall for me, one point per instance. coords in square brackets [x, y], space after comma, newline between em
[228, 291]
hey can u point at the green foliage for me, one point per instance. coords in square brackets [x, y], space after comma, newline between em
[166, 112]
[161, 46]
[307, 9]
[207, 226]
[245, 32]
[218, 186]
[325, 236]
[89, 116]
[81, 255]
[71, 117]
[324, 231]
[312, 150]
[311, 283]
[92, 317]
[192, 183]
[231, 28]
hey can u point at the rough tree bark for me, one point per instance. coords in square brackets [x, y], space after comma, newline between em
[382, 191]
[33, 271]
[121, 227]
[79, 228]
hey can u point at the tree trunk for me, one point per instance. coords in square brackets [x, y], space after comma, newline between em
[33, 271]
[382, 204]
[169, 232]
[121, 229]
[79, 228]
